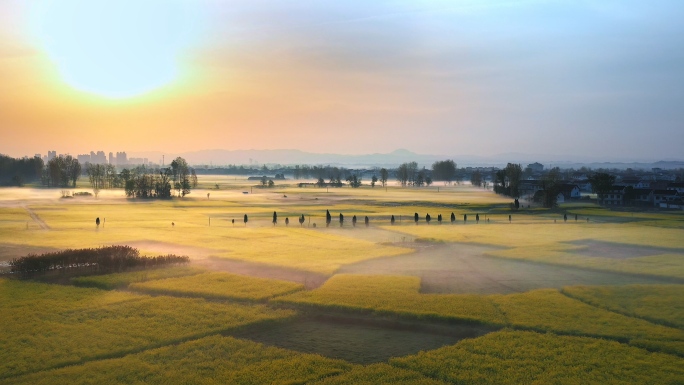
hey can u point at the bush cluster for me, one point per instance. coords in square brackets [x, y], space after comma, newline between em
[104, 259]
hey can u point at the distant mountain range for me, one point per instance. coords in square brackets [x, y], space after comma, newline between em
[219, 157]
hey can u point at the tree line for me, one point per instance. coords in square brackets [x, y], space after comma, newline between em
[16, 172]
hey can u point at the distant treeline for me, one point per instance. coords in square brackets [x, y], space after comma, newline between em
[106, 259]
[16, 172]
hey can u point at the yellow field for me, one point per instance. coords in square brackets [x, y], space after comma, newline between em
[46, 326]
[657, 303]
[541, 310]
[515, 357]
[210, 360]
[397, 295]
[219, 285]
[577, 335]
[122, 280]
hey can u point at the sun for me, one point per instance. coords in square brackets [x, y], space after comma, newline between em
[116, 49]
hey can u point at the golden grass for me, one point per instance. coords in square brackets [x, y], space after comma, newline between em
[541, 310]
[518, 357]
[210, 360]
[397, 295]
[662, 304]
[219, 285]
[46, 326]
[378, 374]
[122, 280]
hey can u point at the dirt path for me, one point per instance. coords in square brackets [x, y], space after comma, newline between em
[36, 218]
[309, 279]
[463, 268]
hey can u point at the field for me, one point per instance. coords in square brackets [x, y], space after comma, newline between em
[533, 300]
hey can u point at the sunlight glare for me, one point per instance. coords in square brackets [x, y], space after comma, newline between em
[116, 49]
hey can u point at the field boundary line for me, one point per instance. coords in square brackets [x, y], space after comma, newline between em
[606, 308]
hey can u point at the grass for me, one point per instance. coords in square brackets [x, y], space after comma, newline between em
[662, 304]
[519, 357]
[122, 280]
[378, 374]
[61, 334]
[545, 310]
[396, 295]
[46, 326]
[219, 285]
[210, 360]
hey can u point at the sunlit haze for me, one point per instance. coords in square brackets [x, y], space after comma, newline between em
[565, 79]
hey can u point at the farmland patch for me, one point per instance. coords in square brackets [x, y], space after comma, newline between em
[356, 339]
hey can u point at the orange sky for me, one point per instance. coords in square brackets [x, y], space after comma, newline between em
[354, 78]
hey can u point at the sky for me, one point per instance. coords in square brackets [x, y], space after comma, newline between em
[599, 79]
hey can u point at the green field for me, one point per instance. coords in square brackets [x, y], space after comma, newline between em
[535, 300]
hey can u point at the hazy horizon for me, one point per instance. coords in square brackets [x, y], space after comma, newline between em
[572, 80]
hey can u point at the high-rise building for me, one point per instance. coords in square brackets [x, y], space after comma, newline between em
[51, 155]
[98, 158]
[121, 158]
[111, 158]
[83, 158]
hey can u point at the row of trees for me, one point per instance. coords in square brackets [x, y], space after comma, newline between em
[61, 171]
[408, 174]
[16, 172]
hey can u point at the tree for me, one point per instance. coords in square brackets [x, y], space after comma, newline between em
[415, 217]
[354, 221]
[287, 221]
[245, 219]
[444, 170]
[264, 180]
[301, 220]
[383, 176]
[439, 218]
[341, 219]
[275, 218]
[476, 178]
[514, 175]
[193, 178]
[374, 180]
[453, 218]
[328, 218]
[551, 185]
[320, 182]
[601, 184]
[180, 172]
[271, 183]
[428, 218]
[366, 220]
[392, 220]
[354, 181]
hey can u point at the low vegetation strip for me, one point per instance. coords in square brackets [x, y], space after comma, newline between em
[662, 304]
[520, 357]
[220, 285]
[122, 280]
[210, 360]
[97, 260]
[397, 295]
[48, 326]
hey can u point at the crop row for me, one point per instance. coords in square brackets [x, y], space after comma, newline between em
[47, 326]
[219, 285]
